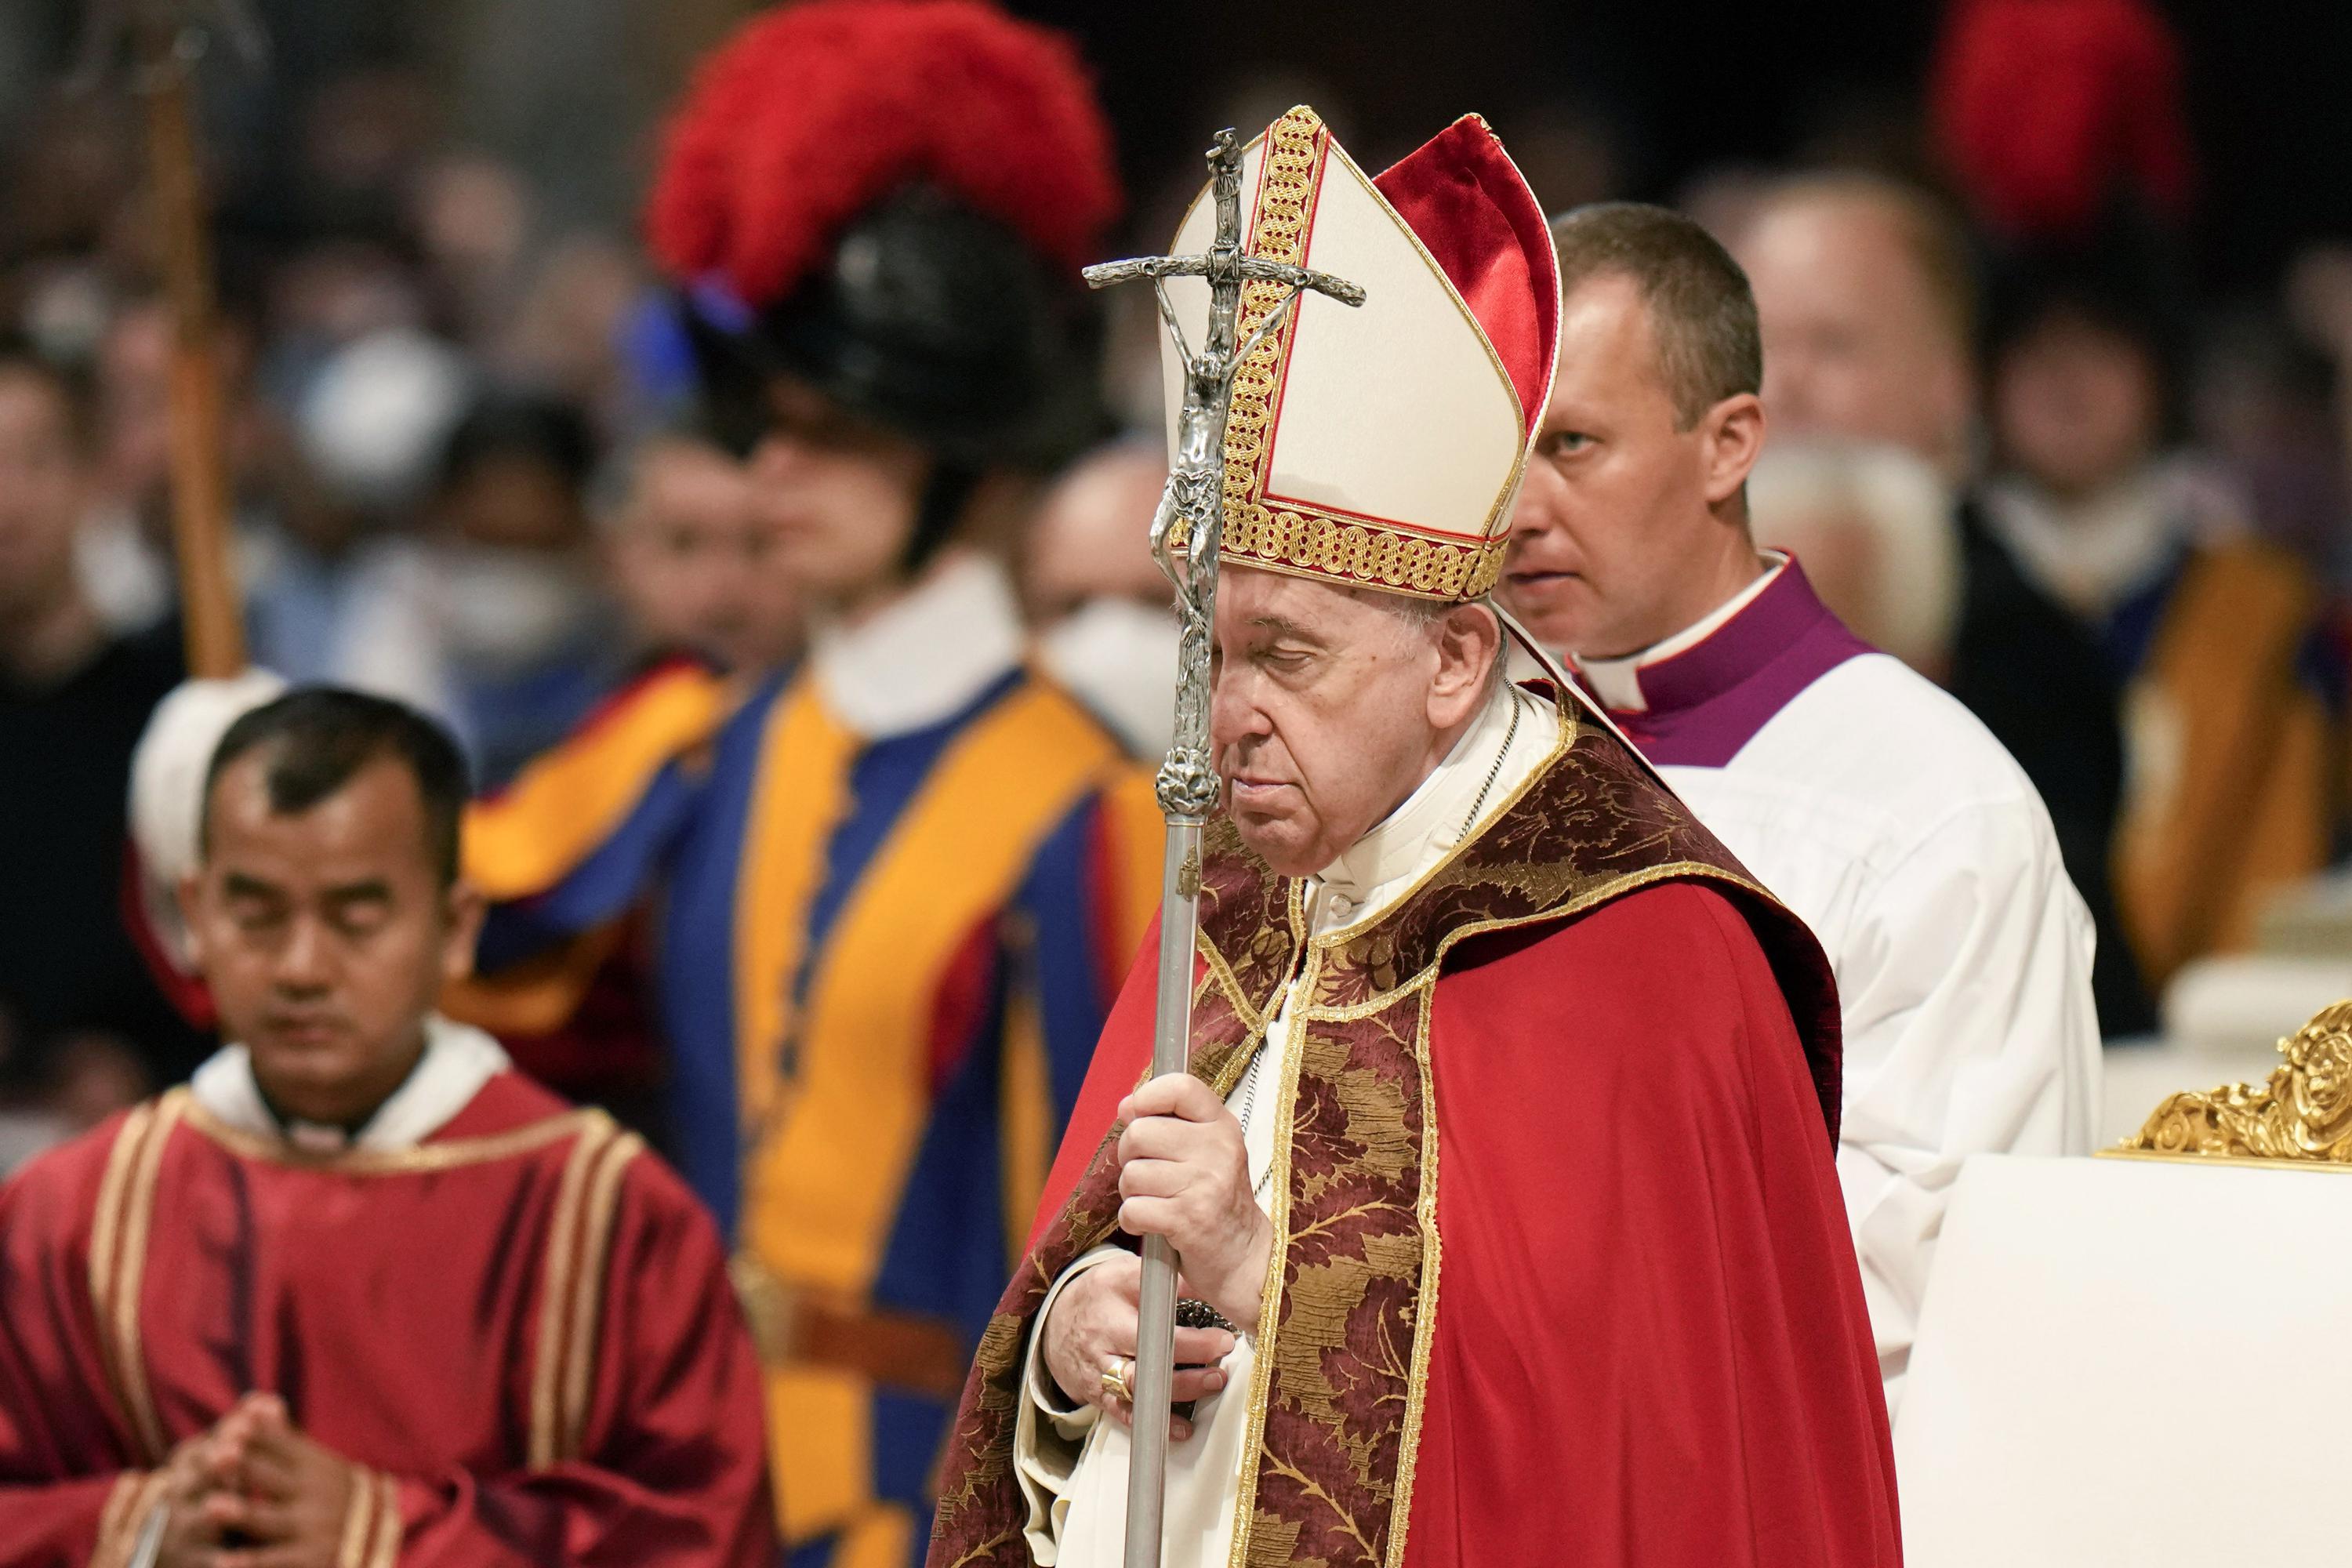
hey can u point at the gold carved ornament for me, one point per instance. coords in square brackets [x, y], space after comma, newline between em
[2303, 1114]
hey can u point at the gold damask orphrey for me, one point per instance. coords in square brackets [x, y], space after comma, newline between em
[2303, 1115]
[1298, 540]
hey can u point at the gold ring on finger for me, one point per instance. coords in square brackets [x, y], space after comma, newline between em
[1118, 1379]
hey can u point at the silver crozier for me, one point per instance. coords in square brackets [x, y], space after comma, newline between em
[1184, 537]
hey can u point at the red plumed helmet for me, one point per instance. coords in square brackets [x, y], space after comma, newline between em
[2048, 108]
[813, 112]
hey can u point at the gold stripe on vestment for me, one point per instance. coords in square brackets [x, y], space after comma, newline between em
[359, 1522]
[133, 1498]
[420, 1159]
[110, 1518]
[384, 1552]
[1284, 1108]
[1425, 1324]
[106, 1230]
[588, 1292]
[137, 1216]
[554, 1289]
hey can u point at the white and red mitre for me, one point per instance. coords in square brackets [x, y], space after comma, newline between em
[1380, 446]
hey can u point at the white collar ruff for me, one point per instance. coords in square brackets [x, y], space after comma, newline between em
[458, 1060]
[927, 654]
[1386, 861]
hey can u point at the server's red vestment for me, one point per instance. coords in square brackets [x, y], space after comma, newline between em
[521, 1327]
[1562, 1273]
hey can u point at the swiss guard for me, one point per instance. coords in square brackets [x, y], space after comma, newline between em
[897, 885]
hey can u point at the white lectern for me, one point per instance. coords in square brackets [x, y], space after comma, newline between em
[2146, 1358]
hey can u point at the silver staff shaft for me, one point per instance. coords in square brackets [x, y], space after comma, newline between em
[1155, 1360]
[1184, 538]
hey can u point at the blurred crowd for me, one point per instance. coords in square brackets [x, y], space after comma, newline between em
[2109, 514]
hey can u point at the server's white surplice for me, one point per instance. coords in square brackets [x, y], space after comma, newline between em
[1877, 807]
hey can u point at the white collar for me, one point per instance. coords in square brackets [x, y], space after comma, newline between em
[1618, 682]
[2092, 554]
[1385, 862]
[458, 1060]
[927, 654]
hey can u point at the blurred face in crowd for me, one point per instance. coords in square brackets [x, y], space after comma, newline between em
[514, 500]
[1875, 529]
[839, 495]
[2075, 405]
[1627, 527]
[326, 934]
[1092, 537]
[1856, 346]
[43, 490]
[1329, 708]
[695, 560]
[134, 387]
[1106, 625]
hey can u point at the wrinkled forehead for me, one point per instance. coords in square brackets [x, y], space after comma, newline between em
[1254, 604]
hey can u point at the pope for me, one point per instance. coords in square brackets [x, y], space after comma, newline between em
[1501, 1185]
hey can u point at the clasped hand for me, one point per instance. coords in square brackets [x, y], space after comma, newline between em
[255, 1492]
[1184, 1174]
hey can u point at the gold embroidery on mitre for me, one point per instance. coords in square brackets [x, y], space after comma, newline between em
[1290, 538]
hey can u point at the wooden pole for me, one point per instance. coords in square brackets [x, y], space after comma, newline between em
[201, 538]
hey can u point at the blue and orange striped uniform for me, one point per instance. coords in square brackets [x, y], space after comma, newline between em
[2234, 720]
[882, 966]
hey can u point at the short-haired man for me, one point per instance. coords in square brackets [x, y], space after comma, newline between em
[360, 1294]
[1866, 295]
[1100, 606]
[1867, 799]
[1503, 1184]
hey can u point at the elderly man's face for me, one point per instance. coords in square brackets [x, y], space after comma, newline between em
[1329, 709]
